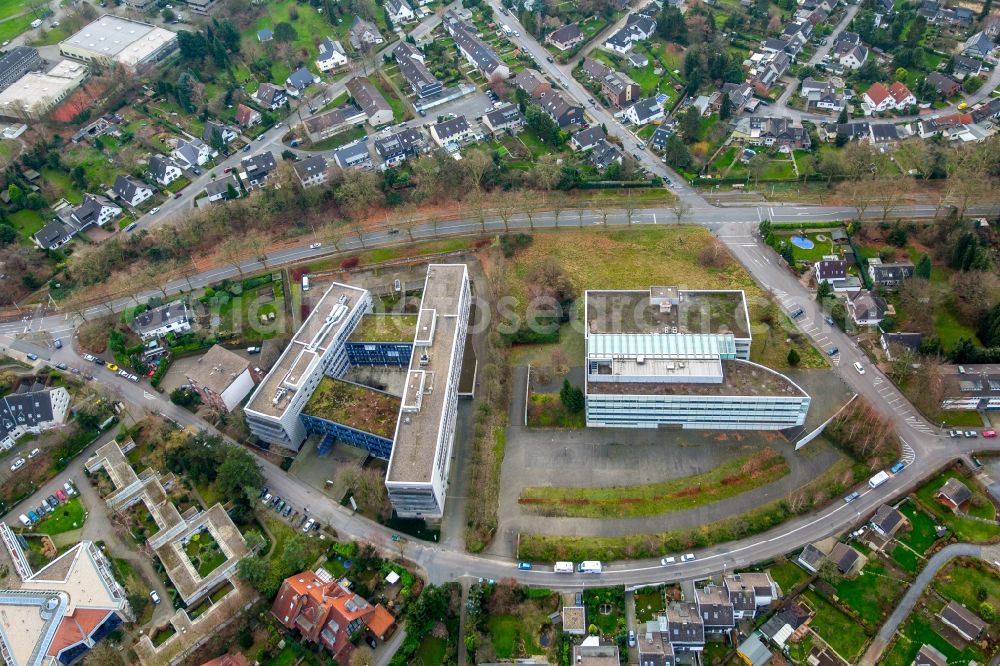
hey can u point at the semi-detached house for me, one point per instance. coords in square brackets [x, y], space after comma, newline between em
[131, 191]
[476, 51]
[371, 101]
[413, 69]
[454, 130]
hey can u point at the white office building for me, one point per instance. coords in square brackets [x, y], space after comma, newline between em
[673, 357]
[417, 479]
[317, 350]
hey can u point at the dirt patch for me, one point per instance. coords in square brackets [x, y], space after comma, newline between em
[93, 335]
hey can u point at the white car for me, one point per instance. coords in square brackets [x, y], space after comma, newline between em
[860, 368]
[667, 561]
[34, 452]
[314, 246]
[687, 558]
[18, 464]
[154, 597]
[308, 525]
[155, 211]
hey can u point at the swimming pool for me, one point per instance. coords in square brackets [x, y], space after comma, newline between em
[803, 242]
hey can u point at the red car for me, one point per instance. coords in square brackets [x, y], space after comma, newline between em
[61, 495]
[989, 433]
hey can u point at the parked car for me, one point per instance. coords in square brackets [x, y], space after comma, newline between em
[53, 502]
[263, 491]
[18, 464]
[89, 357]
[989, 434]
[154, 597]
[154, 211]
[971, 434]
[267, 498]
[315, 246]
[70, 490]
[33, 357]
[897, 468]
[287, 512]
[316, 526]
[279, 506]
[797, 312]
[853, 496]
[631, 638]
[34, 452]
[667, 561]
[61, 494]
[687, 558]
[61, 365]
[24, 520]
[833, 351]
[954, 433]
[57, 344]
[309, 524]
[371, 642]
[860, 368]
[112, 367]
[524, 566]
[44, 509]
[33, 517]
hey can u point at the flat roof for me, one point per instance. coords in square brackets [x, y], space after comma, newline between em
[35, 89]
[354, 405]
[741, 378]
[275, 393]
[664, 370]
[691, 311]
[415, 449]
[126, 41]
[385, 328]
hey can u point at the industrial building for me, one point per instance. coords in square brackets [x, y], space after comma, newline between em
[35, 94]
[676, 357]
[112, 40]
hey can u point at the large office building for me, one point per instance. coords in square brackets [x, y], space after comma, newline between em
[36, 93]
[670, 357]
[113, 40]
[417, 479]
[307, 392]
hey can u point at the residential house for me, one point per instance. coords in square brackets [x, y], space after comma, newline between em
[953, 494]
[413, 69]
[532, 82]
[644, 111]
[453, 130]
[753, 651]
[883, 134]
[591, 652]
[854, 57]
[561, 111]
[764, 131]
[821, 95]
[326, 612]
[364, 34]
[574, 620]
[195, 152]
[158, 322]
[800, 31]
[847, 560]
[331, 55]
[811, 558]
[834, 272]
[867, 308]
[334, 121]
[218, 189]
[271, 96]
[896, 97]
[95, 210]
[889, 274]
[964, 66]
[299, 80]
[887, 520]
[474, 49]
[715, 608]
[766, 72]
[164, 170]
[32, 408]
[897, 344]
[402, 145]
[399, 12]
[961, 619]
[637, 60]
[637, 28]
[353, 156]
[659, 139]
[586, 139]
[226, 134]
[885, 7]
[751, 593]
[945, 86]
[371, 101]
[620, 89]
[855, 131]
[684, 627]
[739, 94]
[928, 655]
[504, 119]
[978, 46]
[781, 626]
[595, 70]
[603, 154]
[566, 37]
[222, 378]
[247, 117]
[255, 170]
[131, 191]
[311, 171]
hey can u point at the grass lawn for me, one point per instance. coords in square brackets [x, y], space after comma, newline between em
[960, 418]
[287, 657]
[841, 632]
[204, 553]
[919, 630]
[338, 140]
[62, 185]
[819, 249]
[648, 603]
[508, 634]
[787, 574]
[921, 536]
[178, 184]
[963, 528]
[605, 609]
[28, 223]
[950, 329]
[398, 106]
[872, 593]
[163, 634]
[546, 410]
[431, 651]
[906, 559]
[570, 344]
[728, 480]
[69, 516]
[964, 583]
[13, 27]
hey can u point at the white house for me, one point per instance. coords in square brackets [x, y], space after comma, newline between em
[31, 409]
[164, 169]
[644, 111]
[132, 192]
[156, 323]
[193, 153]
[894, 98]
[456, 130]
[331, 55]
[399, 11]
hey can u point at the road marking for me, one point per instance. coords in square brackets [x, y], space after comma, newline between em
[148, 396]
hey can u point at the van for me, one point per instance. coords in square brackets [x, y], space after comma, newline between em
[590, 566]
[878, 479]
[563, 567]
[24, 520]
[305, 283]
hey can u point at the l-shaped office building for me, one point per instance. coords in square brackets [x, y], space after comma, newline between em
[306, 391]
[671, 357]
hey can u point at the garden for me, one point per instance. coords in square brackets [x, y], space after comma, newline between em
[204, 553]
[964, 529]
[66, 517]
[840, 631]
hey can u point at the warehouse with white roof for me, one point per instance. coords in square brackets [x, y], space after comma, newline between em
[113, 40]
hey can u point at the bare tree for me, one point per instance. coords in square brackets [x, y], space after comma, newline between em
[233, 251]
[506, 205]
[680, 208]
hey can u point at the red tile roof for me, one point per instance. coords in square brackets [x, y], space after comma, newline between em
[877, 93]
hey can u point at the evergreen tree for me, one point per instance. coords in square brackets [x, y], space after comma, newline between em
[923, 269]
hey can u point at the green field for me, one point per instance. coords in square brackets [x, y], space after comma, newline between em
[787, 575]
[508, 634]
[841, 632]
[872, 593]
[965, 580]
[431, 651]
[964, 529]
[69, 516]
[649, 602]
[919, 630]
[28, 223]
[921, 536]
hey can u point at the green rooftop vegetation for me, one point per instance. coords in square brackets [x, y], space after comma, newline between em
[385, 328]
[355, 406]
